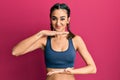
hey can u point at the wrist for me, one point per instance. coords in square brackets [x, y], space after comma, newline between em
[39, 34]
[69, 71]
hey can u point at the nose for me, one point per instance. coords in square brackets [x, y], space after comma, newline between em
[58, 23]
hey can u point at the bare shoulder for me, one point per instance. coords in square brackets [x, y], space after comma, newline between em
[77, 40]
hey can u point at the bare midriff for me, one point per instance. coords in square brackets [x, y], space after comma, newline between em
[58, 76]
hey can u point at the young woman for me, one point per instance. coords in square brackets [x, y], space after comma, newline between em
[59, 45]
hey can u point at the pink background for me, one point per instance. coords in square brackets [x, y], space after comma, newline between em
[97, 21]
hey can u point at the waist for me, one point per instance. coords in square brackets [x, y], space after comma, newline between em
[58, 76]
[57, 69]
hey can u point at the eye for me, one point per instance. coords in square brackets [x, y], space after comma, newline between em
[53, 18]
[62, 19]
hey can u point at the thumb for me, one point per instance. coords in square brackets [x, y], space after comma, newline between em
[68, 70]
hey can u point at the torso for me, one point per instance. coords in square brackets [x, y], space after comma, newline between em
[63, 44]
[59, 45]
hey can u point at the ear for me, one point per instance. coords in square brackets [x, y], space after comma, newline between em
[68, 20]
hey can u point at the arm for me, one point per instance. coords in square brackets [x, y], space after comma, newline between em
[90, 65]
[29, 44]
[33, 42]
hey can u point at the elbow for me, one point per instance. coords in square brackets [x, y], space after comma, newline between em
[94, 70]
[16, 53]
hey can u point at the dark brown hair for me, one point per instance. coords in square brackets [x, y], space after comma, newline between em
[62, 6]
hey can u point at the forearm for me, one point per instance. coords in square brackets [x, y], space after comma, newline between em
[84, 70]
[22, 46]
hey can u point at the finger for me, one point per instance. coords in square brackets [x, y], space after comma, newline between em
[53, 72]
[50, 73]
[61, 71]
[65, 33]
[62, 33]
[68, 70]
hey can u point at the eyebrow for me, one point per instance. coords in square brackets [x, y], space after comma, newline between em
[60, 17]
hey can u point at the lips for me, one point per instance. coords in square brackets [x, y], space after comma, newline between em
[58, 27]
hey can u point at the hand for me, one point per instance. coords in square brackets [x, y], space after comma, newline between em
[55, 72]
[52, 33]
[65, 71]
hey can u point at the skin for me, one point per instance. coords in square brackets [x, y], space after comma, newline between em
[59, 22]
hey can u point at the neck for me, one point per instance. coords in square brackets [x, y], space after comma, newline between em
[60, 36]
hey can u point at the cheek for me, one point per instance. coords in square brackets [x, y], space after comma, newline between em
[64, 23]
[53, 22]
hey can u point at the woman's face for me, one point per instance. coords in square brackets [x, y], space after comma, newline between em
[59, 19]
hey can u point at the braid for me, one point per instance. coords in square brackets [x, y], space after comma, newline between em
[70, 35]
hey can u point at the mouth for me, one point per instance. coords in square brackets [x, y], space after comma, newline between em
[58, 27]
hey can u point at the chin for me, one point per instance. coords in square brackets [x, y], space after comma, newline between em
[60, 30]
